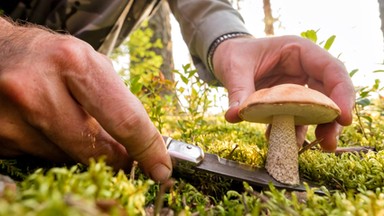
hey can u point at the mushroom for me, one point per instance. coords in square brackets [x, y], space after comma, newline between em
[284, 106]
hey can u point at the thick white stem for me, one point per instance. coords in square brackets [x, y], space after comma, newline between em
[282, 157]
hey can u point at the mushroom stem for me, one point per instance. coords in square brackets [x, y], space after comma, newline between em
[282, 157]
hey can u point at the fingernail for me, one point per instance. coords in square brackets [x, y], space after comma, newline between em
[160, 173]
[234, 104]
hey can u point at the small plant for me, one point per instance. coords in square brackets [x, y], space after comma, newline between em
[367, 112]
[143, 76]
[10, 167]
[194, 101]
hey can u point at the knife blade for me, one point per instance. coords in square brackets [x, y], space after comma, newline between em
[192, 158]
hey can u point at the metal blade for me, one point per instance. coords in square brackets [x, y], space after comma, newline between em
[253, 175]
[188, 158]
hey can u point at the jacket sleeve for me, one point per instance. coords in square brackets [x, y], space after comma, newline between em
[201, 23]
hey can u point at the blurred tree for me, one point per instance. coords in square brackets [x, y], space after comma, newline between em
[160, 23]
[269, 20]
[146, 63]
[381, 10]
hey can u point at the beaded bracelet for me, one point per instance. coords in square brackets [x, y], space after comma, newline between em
[218, 41]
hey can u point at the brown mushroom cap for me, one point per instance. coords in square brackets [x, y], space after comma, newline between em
[308, 106]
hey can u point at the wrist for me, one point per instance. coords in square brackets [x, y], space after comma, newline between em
[217, 42]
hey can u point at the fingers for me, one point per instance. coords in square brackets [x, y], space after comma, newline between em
[329, 133]
[53, 125]
[301, 132]
[18, 138]
[104, 96]
[328, 75]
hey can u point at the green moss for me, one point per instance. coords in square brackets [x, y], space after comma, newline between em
[69, 191]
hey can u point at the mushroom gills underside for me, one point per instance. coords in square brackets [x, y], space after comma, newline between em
[304, 114]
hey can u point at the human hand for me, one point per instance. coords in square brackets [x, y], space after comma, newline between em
[61, 100]
[244, 65]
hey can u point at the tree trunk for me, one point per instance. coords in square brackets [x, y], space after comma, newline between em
[160, 23]
[268, 18]
[381, 9]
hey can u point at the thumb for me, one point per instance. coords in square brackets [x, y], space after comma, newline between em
[238, 92]
[235, 73]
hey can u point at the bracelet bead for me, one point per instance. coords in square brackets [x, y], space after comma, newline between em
[217, 42]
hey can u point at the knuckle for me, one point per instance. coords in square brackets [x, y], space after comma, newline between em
[12, 88]
[136, 132]
[128, 126]
[70, 52]
[78, 60]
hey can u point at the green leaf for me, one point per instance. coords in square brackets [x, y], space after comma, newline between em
[363, 102]
[184, 79]
[310, 34]
[329, 42]
[181, 90]
[135, 85]
[192, 73]
[186, 67]
[353, 72]
[368, 118]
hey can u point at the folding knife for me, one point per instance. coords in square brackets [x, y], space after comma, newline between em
[191, 157]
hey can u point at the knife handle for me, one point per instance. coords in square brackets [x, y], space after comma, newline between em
[184, 152]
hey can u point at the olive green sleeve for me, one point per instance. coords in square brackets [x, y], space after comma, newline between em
[201, 22]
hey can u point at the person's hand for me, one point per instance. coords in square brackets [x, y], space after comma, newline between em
[61, 100]
[244, 65]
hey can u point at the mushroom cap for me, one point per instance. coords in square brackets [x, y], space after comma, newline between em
[308, 106]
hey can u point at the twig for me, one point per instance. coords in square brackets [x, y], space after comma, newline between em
[160, 195]
[308, 145]
[232, 151]
[133, 169]
[360, 122]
